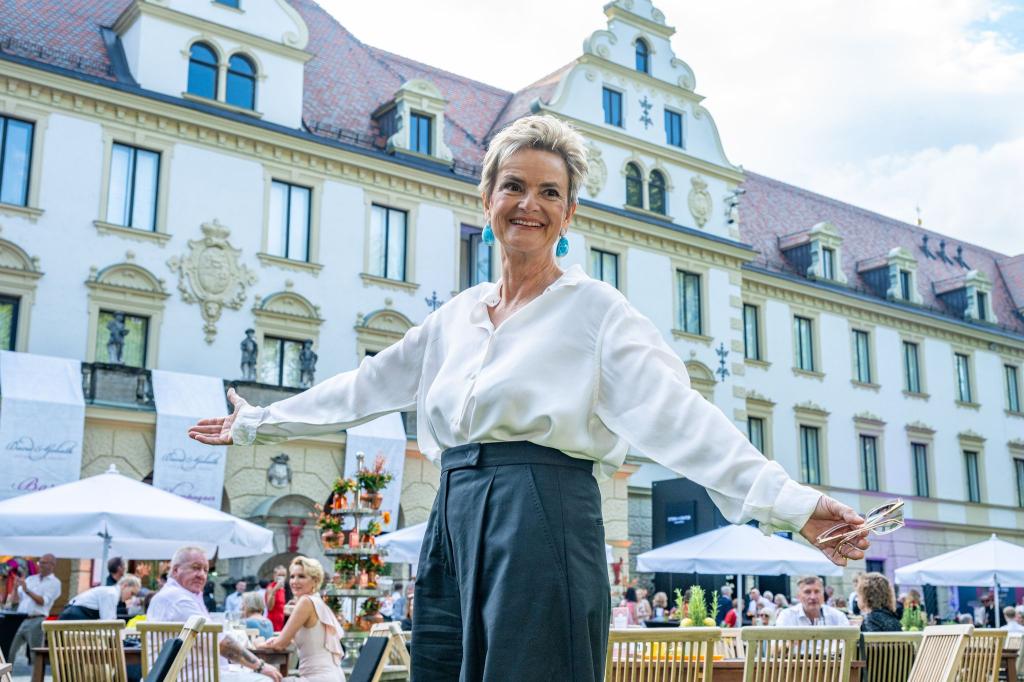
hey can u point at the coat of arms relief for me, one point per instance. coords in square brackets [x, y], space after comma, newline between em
[211, 275]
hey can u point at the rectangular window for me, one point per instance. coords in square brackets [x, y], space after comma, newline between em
[387, 242]
[804, 343]
[963, 378]
[862, 356]
[869, 462]
[1018, 465]
[874, 566]
[8, 322]
[612, 101]
[1012, 388]
[475, 261]
[229, 3]
[134, 174]
[755, 432]
[689, 302]
[288, 235]
[15, 160]
[133, 333]
[828, 263]
[605, 266]
[973, 478]
[279, 362]
[751, 336]
[810, 460]
[419, 133]
[911, 368]
[982, 306]
[674, 128]
[920, 453]
[905, 285]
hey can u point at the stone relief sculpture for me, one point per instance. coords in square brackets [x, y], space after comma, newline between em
[211, 275]
[249, 352]
[598, 171]
[699, 200]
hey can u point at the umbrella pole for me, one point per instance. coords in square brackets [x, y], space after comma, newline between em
[996, 602]
[106, 552]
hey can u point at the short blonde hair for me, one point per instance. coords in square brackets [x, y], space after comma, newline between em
[537, 132]
[874, 591]
[312, 568]
[252, 602]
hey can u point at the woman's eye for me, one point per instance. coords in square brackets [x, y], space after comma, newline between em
[553, 193]
[511, 186]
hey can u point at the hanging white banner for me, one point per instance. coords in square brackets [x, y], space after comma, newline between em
[382, 437]
[181, 465]
[42, 422]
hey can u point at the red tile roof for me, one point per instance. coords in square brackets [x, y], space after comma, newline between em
[346, 81]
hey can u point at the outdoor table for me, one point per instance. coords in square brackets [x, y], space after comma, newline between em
[133, 655]
[731, 670]
[1008, 664]
[9, 623]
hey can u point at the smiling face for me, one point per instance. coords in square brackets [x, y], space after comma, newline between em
[300, 581]
[529, 206]
[191, 573]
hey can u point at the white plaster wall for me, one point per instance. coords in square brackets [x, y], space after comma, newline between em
[270, 19]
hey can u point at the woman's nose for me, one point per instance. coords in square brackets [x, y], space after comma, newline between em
[528, 201]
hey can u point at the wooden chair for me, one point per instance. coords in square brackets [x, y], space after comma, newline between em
[940, 652]
[174, 652]
[398, 658]
[5, 668]
[822, 654]
[86, 650]
[983, 656]
[855, 621]
[729, 645]
[889, 656]
[663, 654]
[1014, 642]
[202, 663]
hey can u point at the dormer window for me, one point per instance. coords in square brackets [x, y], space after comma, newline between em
[643, 56]
[420, 133]
[968, 296]
[816, 252]
[241, 82]
[202, 71]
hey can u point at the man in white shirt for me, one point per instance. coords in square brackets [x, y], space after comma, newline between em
[758, 603]
[1012, 616]
[811, 609]
[35, 595]
[233, 602]
[182, 597]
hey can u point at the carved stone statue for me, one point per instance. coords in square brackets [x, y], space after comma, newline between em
[307, 364]
[115, 344]
[249, 351]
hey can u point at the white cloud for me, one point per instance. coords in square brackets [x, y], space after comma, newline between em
[883, 104]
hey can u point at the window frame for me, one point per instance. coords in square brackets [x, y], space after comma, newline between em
[866, 333]
[1012, 385]
[132, 182]
[16, 301]
[757, 356]
[263, 346]
[865, 473]
[100, 328]
[416, 118]
[216, 66]
[106, 291]
[644, 54]
[598, 257]
[798, 337]
[663, 184]
[315, 184]
[26, 194]
[609, 98]
[958, 383]
[809, 415]
[763, 408]
[130, 137]
[672, 117]
[252, 78]
[972, 474]
[1018, 468]
[394, 200]
[828, 263]
[906, 284]
[681, 277]
[638, 179]
[286, 238]
[751, 419]
[910, 386]
[805, 431]
[916, 469]
[467, 256]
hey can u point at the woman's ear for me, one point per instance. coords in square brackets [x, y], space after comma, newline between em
[569, 214]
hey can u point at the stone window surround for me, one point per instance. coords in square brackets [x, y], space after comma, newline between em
[918, 432]
[702, 379]
[40, 119]
[968, 441]
[921, 373]
[378, 330]
[976, 282]
[315, 183]
[809, 414]
[901, 259]
[760, 304]
[110, 289]
[815, 317]
[285, 315]
[223, 58]
[825, 234]
[619, 250]
[19, 276]
[422, 97]
[972, 376]
[411, 207]
[134, 137]
[1016, 363]
[763, 408]
[696, 268]
[872, 357]
[867, 424]
[645, 187]
[461, 218]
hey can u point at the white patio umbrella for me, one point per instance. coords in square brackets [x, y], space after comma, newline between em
[743, 550]
[989, 563]
[403, 546]
[113, 514]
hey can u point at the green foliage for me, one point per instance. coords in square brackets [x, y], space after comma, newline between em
[698, 607]
[913, 619]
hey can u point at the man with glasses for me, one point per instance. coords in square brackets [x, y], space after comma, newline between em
[35, 595]
[811, 608]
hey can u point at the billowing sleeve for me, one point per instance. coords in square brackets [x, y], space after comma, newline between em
[383, 383]
[644, 396]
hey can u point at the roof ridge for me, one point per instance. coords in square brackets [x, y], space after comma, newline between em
[451, 74]
[916, 229]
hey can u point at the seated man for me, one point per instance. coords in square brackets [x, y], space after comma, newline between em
[35, 596]
[182, 597]
[811, 608]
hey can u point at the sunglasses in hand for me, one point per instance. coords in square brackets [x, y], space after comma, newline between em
[882, 520]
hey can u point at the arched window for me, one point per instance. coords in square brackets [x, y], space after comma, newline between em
[241, 82]
[643, 56]
[634, 186]
[656, 193]
[202, 71]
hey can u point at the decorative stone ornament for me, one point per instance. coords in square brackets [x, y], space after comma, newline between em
[211, 275]
[598, 171]
[279, 473]
[699, 200]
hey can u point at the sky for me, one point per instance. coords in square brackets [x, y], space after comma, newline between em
[892, 106]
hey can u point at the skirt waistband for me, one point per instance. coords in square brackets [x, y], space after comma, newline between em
[508, 453]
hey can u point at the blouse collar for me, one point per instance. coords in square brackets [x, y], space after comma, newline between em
[572, 276]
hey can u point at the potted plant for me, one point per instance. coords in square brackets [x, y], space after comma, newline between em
[372, 481]
[342, 487]
[330, 527]
[912, 620]
[346, 566]
[372, 531]
[698, 615]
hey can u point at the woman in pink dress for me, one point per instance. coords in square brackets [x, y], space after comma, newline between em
[312, 626]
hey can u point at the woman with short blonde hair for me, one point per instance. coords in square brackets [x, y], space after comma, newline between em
[528, 391]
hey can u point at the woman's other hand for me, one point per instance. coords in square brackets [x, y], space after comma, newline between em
[828, 513]
[217, 430]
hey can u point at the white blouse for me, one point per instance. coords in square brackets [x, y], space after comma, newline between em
[576, 369]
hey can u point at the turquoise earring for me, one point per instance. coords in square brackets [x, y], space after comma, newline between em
[563, 247]
[488, 235]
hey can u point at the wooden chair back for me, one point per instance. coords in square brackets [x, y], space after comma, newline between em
[982, 656]
[822, 654]
[86, 650]
[1014, 642]
[940, 652]
[398, 652]
[663, 654]
[167, 666]
[203, 661]
[5, 668]
[889, 656]
[729, 644]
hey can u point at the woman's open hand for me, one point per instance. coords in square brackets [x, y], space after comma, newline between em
[217, 430]
[827, 514]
